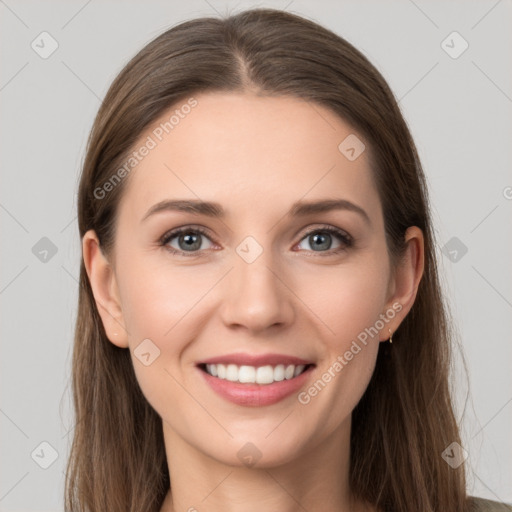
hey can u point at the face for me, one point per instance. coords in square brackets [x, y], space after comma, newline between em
[261, 273]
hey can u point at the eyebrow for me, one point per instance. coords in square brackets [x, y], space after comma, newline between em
[211, 209]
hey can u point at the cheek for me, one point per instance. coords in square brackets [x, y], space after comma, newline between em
[158, 302]
[156, 296]
[346, 299]
[162, 306]
[349, 301]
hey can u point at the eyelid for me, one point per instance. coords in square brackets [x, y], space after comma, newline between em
[171, 233]
[328, 228]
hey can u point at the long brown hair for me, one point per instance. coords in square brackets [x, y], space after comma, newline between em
[405, 419]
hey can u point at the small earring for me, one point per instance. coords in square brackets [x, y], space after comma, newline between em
[390, 336]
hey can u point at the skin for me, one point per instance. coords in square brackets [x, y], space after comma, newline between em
[255, 156]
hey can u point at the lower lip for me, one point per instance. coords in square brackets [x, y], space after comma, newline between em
[256, 395]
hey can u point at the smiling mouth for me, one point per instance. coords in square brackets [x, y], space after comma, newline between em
[262, 375]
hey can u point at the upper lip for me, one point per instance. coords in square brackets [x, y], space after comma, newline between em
[256, 360]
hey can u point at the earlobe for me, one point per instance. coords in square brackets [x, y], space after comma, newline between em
[104, 287]
[407, 278]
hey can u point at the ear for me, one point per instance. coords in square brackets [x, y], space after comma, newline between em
[405, 280]
[104, 287]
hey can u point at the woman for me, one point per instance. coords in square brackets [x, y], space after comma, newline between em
[260, 320]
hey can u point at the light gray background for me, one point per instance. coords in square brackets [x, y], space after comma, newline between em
[459, 111]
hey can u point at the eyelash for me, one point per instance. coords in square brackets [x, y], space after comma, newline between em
[343, 237]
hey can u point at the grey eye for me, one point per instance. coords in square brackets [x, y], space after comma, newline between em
[319, 241]
[188, 241]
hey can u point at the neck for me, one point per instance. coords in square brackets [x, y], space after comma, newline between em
[315, 479]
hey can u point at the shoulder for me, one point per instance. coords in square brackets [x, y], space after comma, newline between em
[481, 505]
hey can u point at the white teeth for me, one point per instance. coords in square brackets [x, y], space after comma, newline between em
[250, 374]
[265, 375]
[247, 374]
[288, 373]
[279, 372]
[232, 372]
[212, 368]
[298, 370]
[221, 371]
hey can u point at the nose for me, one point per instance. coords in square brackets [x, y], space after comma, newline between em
[256, 296]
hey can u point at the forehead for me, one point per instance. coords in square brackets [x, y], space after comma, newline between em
[248, 153]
